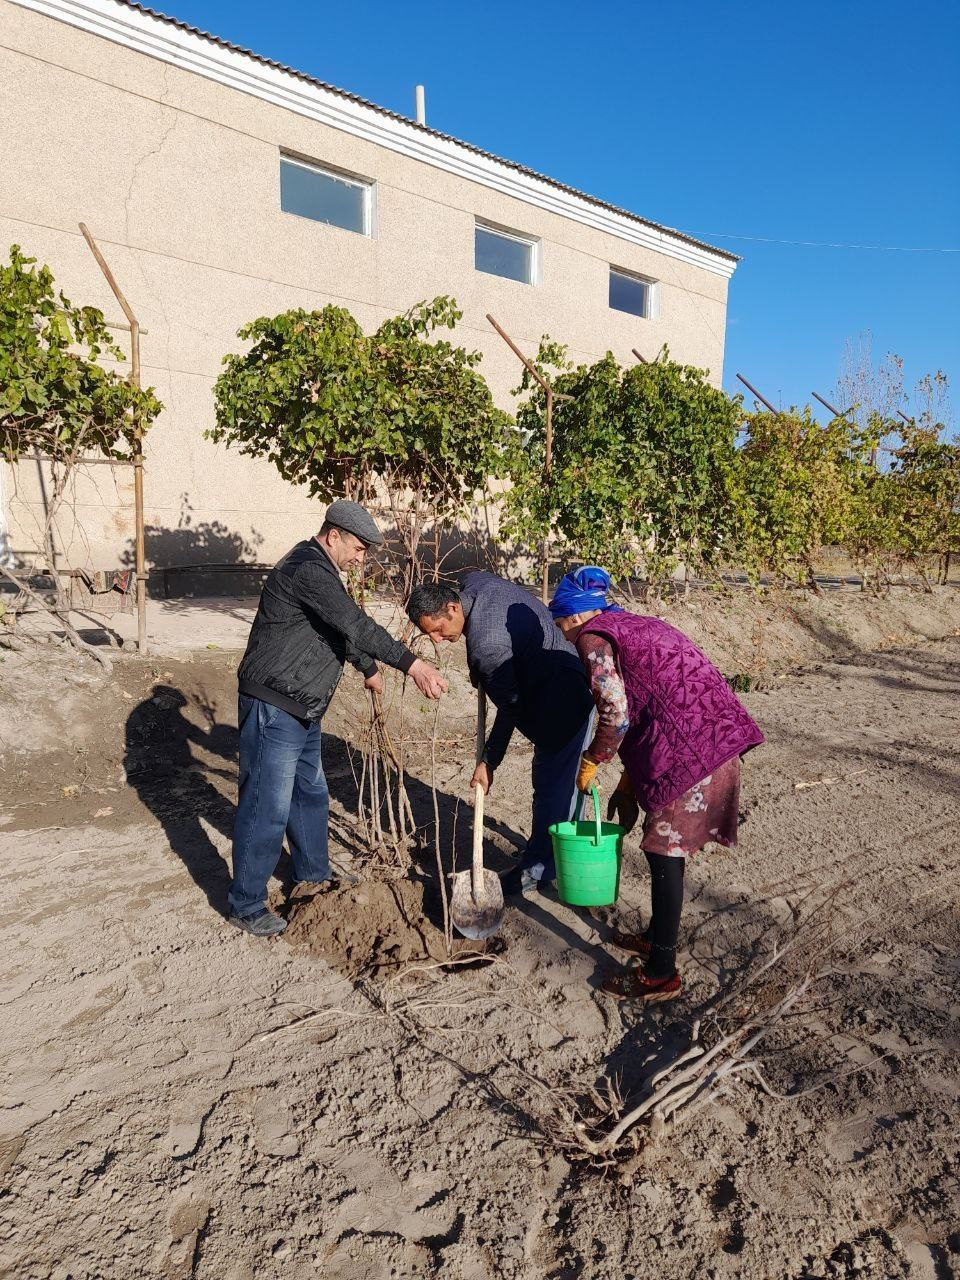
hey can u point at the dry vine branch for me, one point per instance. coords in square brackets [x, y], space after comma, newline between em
[684, 1086]
[72, 635]
[702, 1072]
[63, 469]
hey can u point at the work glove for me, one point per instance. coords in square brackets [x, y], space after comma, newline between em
[622, 807]
[588, 771]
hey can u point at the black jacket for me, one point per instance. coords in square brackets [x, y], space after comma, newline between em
[307, 626]
[532, 675]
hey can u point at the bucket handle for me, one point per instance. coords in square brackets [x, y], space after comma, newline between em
[581, 800]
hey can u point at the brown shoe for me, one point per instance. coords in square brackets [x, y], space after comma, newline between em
[635, 985]
[634, 942]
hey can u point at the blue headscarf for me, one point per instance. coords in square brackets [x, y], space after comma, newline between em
[582, 592]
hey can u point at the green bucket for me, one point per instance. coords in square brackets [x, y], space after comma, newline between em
[587, 855]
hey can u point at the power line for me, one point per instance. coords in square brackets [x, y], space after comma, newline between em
[821, 244]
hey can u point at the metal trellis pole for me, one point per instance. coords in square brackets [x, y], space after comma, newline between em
[753, 390]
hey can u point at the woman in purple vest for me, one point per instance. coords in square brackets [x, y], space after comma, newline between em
[680, 732]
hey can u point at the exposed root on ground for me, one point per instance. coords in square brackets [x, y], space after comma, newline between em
[593, 1124]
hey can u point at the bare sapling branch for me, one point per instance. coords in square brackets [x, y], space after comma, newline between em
[441, 875]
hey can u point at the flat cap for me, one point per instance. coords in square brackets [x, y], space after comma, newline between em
[351, 518]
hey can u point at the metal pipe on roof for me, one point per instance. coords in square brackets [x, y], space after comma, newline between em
[421, 101]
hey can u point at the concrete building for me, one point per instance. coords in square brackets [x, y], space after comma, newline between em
[221, 187]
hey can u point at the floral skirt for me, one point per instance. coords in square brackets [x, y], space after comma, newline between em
[709, 813]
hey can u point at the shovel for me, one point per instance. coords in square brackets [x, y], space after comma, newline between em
[476, 904]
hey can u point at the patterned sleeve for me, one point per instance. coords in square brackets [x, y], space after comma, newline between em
[609, 694]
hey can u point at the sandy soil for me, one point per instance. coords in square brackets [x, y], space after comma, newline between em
[180, 1100]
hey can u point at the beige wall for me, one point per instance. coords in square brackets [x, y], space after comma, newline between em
[178, 178]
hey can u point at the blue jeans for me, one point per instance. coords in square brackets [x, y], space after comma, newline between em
[282, 790]
[554, 778]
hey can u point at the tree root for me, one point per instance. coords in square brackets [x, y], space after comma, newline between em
[692, 1081]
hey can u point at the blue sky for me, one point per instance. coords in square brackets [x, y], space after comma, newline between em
[833, 122]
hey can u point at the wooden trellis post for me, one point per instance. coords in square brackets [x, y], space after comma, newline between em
[551, 395]
[140, 559]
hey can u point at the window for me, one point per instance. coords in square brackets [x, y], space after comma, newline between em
[632, 294]
[504, 253]
[324, 196]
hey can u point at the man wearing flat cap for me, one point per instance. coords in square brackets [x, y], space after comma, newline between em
[307, 626]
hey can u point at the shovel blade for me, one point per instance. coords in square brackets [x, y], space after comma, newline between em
[476, 919]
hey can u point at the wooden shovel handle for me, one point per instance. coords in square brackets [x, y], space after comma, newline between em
[477, 878]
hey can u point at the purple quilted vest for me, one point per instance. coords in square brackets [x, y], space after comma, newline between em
[685, 721]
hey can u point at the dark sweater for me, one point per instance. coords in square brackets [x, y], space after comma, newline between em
[530, 673]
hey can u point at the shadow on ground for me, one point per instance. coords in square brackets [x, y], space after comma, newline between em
[182, 762]
[171, 763]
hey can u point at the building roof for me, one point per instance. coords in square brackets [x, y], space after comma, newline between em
[434, 133]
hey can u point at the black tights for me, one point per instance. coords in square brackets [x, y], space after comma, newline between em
[666, 901]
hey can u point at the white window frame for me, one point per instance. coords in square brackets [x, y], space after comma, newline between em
[533, 243]
[367, 185]
[652, 311]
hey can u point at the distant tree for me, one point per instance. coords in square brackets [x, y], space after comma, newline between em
[870, 392]
[397, 416]
[800, 488]
[643, 466]
[910, 513]
[56, 398]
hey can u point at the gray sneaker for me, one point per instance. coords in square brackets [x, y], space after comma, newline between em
[265, 924]
[522, 880]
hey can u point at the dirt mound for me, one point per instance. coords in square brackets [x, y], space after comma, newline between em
[379, 926]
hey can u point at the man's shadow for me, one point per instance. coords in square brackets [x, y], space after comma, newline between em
[174, 783]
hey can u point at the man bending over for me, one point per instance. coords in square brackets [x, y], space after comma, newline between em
[537, 683]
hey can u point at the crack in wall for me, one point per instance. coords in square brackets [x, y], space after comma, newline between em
[153, 292]
[149, 155]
